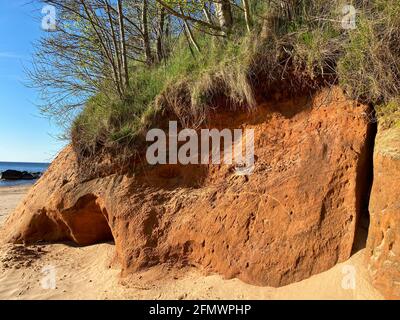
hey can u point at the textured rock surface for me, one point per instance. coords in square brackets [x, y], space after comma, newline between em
[295, 216]
[383, 246]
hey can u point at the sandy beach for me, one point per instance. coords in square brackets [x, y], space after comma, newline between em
[9, 198]
[88, 273]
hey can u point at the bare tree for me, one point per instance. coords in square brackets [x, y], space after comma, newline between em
[123, 45]
[145, 32]
[189, 33]
[190, 18]
[160, 33]
[98, 44]
[224, 14]
[87, 53]
[247, 15]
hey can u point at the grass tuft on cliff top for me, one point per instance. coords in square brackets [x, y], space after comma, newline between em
[310, 49]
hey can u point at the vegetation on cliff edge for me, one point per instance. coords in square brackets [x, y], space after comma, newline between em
[112, 69]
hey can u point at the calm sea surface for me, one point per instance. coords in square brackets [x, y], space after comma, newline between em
[21, 166]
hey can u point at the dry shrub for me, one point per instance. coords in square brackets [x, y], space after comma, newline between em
[369, 69]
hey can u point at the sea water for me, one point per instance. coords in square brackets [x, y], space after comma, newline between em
[21, 166]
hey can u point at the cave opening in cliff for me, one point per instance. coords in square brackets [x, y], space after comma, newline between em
[364, 181]
[88, 221]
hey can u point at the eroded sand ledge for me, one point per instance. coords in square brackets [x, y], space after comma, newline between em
[85, 273]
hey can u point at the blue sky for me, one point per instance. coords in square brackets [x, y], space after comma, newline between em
[25, 135]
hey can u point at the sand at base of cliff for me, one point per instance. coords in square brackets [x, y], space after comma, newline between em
[9, 198]
[87, 273]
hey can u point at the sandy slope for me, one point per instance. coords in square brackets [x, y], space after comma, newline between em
[87, 273]
[9, 198]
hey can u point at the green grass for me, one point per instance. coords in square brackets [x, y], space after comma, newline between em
[107, 122]
[389, 114]
[364, 62]
[388, 143]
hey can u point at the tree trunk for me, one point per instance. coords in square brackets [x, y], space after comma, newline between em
[105, 49]
[145, 31]
[207, 14]
[190, 33]
[117, 53]
[123, 44]
[224, 13]
[160, 35]
[247, 15]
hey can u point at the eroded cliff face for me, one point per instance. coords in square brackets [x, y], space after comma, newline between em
[383, 246]
[295, 216]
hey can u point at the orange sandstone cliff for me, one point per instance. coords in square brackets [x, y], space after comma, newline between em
[295, 216]
[383, 246]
